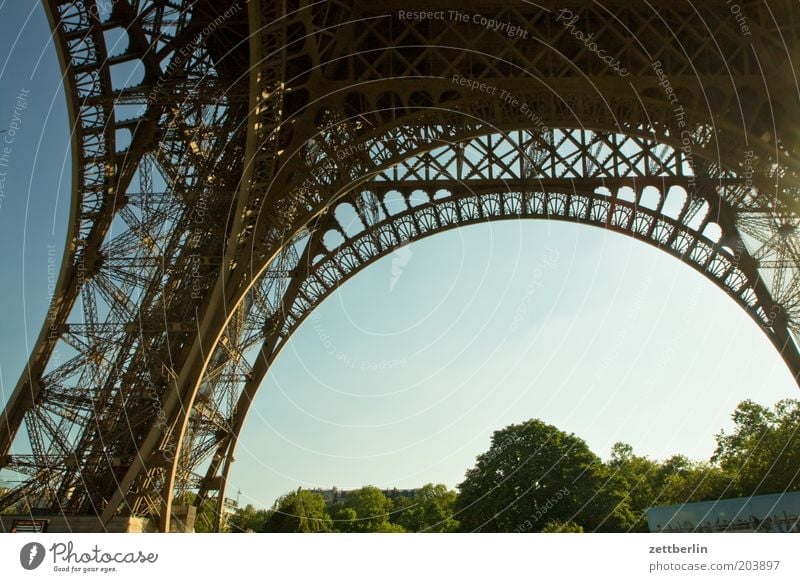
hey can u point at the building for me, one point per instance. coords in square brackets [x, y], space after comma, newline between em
[229, 507]
[778, 512]
[336, 495]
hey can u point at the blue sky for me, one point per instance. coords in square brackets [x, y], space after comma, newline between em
[401, 376]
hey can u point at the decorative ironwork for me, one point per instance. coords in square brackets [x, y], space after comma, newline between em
[270, 150]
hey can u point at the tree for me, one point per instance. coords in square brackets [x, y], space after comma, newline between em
[430, 510]
[389, 527]
[556, 526]
[3, 492]
[365, 510]
[205, 517]
[300, 511]
[763, 452]
[676, 480]
[533, 473]
[680, 480]
[639, 475]
[247, 519]
[345, 519]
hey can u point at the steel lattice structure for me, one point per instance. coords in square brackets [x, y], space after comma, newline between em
[273, 149]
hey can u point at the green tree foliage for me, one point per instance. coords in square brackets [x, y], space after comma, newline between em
[535, 477]
[345, 519]
[556, 526]
[533, 473]
[300, 511]
[430, 510]
[763, 452]
[676, 480]
[204, 517]
[389, 527]
[3, 492]
[760, 456]
[247, 519]
[680, 480]
[640, 476]
[365, 510]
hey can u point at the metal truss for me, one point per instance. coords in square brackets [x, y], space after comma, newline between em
[271, 150]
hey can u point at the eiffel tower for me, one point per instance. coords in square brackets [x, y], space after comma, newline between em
[269, 150]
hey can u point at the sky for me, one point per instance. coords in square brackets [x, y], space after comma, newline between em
[401, 376]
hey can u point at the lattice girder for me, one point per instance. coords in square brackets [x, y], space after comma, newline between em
[456, 198]
[270, 228]
[94, 269]
[277, 114]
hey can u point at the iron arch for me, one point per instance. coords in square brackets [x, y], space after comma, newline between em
[238, 105]
[632, 185]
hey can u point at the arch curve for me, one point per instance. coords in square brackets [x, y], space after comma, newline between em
[627, 184]
[346, 103]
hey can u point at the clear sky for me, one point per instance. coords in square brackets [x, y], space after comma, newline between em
[401, 376]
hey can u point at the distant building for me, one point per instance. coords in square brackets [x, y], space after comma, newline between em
[229, 507]
[335, 495]
[395, 493]
[779, 512]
